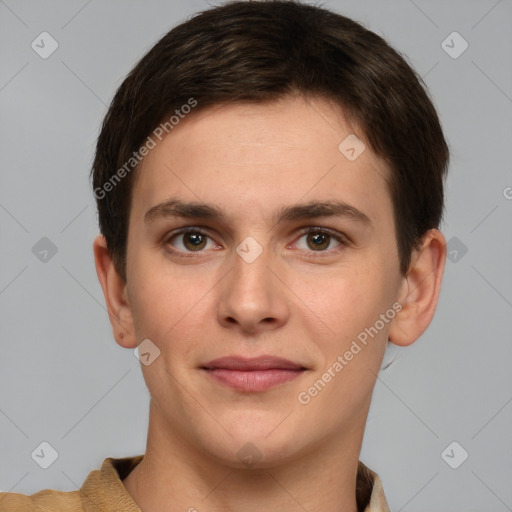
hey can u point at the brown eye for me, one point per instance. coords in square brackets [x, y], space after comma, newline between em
[189, 240]
[194, 241]
[320, 240]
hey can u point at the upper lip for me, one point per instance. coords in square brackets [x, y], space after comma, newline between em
[256, 363]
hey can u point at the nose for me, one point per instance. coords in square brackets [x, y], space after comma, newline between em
[252, 296]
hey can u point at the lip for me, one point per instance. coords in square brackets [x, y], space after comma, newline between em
[252, 374]
[252, 363]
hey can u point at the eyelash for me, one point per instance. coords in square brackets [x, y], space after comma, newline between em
[339, 237]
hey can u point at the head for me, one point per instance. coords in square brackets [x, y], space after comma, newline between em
[267, 116]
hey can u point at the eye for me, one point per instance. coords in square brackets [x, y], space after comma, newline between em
[319, 239]
[191, 240]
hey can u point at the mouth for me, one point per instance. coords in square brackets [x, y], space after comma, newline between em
[252, 375]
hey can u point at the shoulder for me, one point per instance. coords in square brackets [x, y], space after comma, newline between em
[42, 501]
[102, 491]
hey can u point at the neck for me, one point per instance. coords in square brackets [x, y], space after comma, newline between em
[175, 476]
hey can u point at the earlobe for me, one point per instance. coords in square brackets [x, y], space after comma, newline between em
[420, 290]
[116, 299]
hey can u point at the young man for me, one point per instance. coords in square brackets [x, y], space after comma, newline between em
[269, 181]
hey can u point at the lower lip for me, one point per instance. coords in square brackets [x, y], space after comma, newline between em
[254, 380]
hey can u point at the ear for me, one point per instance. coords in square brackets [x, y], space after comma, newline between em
[420, 290]
[116, 297]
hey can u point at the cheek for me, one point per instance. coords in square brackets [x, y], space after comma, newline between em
[163, 304]
[343, 303]
[175, 311]
[353, 347]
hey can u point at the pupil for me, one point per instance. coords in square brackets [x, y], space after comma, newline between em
[195, 239]
[319, 239]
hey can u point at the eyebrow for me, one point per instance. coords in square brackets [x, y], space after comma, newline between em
[196, 210]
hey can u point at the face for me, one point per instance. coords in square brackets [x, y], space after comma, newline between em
[295, 258]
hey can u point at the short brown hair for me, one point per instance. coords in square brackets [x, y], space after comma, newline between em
[245, 51]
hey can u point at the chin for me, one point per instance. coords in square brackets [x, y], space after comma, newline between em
[257, 450]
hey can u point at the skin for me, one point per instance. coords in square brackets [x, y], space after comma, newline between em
[294, 301]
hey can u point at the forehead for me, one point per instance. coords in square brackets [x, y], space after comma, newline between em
[257, 157]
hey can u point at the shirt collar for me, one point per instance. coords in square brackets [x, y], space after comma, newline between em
[104, 488]
[369, 491]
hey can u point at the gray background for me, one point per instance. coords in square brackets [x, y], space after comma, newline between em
[64, 380]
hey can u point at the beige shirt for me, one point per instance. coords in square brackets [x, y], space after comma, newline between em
[103, 491]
